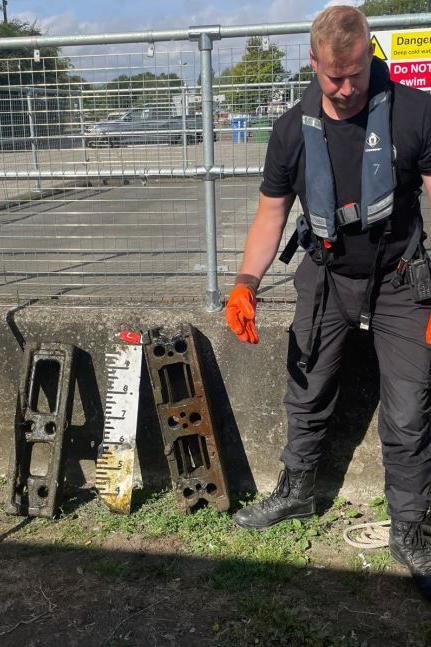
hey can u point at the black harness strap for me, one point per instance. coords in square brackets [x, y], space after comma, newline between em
[409, 253]
[290, 249]
[318, 293]
[366, 307]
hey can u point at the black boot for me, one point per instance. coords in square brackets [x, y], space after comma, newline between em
[292, 498]
[411, 547]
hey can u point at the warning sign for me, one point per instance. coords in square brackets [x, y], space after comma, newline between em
[411, 45]
[378, 50]
[415, 75]
[407, 54]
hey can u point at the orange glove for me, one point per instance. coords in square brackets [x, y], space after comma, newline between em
[240, 313]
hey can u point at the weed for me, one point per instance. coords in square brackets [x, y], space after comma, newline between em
[160, 569]
[339, 503]
[373, 562]
[275, 623]
[35, 526]
[330, 528]
[253, 569]
[379, 508]
[111, 568]
[352, 513]
[329, 518]
[208, 533]
[269, 556]
[159, 515]
[341, 507]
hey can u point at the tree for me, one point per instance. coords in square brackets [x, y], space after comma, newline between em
[250, 82]
[55, 89]
[388, 7]
[155, 89]
[305, 74]
[18, 67]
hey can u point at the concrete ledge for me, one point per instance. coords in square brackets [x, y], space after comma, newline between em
[246, 383]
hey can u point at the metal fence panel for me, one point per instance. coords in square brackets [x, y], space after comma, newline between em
[122, 174]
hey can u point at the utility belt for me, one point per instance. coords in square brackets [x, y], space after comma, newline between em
[305, 237]
[413, 268]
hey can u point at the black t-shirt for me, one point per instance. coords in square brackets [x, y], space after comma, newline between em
[284, 173]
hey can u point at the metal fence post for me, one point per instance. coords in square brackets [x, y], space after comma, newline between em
[32, 139]
[213, 302]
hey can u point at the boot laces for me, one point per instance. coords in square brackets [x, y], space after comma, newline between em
[274, 498]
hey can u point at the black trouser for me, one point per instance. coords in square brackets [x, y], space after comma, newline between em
[399, 328]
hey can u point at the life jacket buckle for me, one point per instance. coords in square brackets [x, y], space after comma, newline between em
[348, 214]
[364, 321]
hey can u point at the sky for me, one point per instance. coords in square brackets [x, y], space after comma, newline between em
[60, 17]
[71, 17]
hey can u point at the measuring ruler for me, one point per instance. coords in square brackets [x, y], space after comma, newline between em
[115, 463]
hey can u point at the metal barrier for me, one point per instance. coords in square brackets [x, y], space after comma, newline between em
[133, 176]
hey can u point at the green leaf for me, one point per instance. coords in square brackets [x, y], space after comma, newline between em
[304, 544]
[352, 513]
[296, 523]
[378, 500]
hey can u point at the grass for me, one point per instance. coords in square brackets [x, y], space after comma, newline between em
[253, 569]
[376, 561]
[209, 534]
[274, 622]
[342, 507]
[111, 568]
[379, 508]
[204, 533]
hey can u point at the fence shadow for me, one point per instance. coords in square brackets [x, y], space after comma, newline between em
[86, 429]
[142, 596]
[154, 470]
[237, 468]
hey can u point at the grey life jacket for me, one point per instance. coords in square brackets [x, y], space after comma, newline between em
[378, 162]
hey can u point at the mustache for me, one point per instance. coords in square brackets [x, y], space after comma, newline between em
[346, 99]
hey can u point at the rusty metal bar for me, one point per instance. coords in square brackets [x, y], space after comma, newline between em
[44, 411]
[189, 437]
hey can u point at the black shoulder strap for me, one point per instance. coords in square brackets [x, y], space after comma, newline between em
[380, 80]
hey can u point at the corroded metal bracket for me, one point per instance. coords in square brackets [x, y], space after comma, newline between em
[190, 440]
[44, 411]
[115, 462]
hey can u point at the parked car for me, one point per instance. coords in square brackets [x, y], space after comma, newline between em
[144, 126]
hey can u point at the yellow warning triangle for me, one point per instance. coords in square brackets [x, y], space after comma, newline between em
[378, 50]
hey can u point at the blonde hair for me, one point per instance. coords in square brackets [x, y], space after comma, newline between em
[339, 26]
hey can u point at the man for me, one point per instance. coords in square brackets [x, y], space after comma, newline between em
[355, 151]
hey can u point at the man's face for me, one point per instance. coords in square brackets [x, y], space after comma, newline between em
[344, 79]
